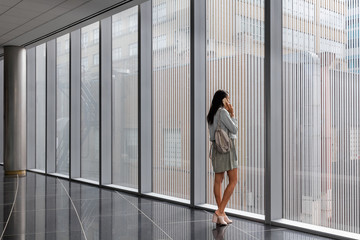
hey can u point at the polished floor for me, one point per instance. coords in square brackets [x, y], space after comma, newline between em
[44, 207]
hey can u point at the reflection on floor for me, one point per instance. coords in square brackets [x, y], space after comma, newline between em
[41, 207]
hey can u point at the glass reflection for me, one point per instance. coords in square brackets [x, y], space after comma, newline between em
[219, 232]
[44, 210]
[14, 207]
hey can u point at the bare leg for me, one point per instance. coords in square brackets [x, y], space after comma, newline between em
[228, 191]
[219, 177]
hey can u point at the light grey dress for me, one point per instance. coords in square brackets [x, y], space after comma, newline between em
[223, 162]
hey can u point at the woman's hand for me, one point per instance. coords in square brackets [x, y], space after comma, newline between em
[228, 107]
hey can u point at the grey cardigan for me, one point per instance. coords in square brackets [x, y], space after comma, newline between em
[227, 123]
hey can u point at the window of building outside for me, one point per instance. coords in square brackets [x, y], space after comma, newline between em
[96, 59]
[304, 9]
[85, 63]
[249, 26]
[133, 49]
[332, 19]
[96, 36]
[172, 154]
[159, 13]
[117, 27]
[133, 22]
[117, 53]
[160, 42]
[299, 39]
[67, 45]
[84, 39]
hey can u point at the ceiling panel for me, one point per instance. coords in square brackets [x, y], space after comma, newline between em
[23, 21]
[38, 7]
[9, 3]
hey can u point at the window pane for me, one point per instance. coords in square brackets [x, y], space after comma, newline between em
[62, 104]
[40, 106]
[235, 63]
[125, 105]
[321, 124]
[89, 105]
[171, 99]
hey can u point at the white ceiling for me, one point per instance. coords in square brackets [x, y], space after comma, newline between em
[23, 21]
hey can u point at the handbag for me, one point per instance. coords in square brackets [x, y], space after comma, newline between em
[223, 142]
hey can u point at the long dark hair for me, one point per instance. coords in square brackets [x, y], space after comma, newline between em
[216, 104]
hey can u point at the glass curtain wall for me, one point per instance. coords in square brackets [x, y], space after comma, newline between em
[321, 113]
[62, 104]
[171, 98]
[125, 98]
[90, 147]
[40, 142]
[235, 63]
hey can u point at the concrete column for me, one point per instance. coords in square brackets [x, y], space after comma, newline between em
[14, 110]
[144, 94]
[273, 111]
[198, 102]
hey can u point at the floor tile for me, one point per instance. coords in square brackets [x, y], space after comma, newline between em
[43, 210]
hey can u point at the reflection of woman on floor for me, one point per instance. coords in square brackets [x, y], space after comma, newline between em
[221, 114]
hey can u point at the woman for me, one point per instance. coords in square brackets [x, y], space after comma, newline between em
[222, 113]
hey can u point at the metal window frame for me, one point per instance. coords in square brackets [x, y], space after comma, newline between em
[31, 102]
